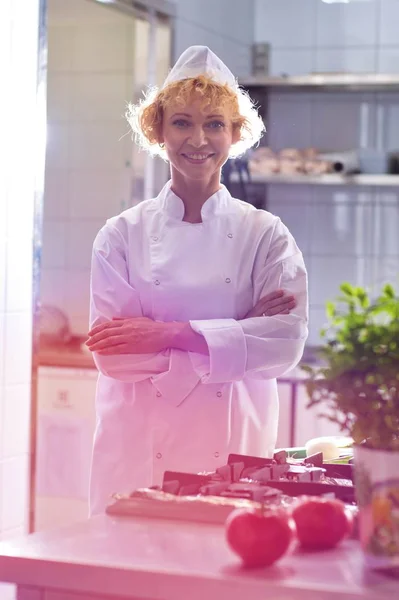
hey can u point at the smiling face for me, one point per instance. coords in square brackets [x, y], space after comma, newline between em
[197, 139]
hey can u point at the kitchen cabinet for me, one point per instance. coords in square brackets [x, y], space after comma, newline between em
[297, 423]
[65, 430]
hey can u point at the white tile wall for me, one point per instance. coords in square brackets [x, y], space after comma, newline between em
[18, 289]
[226, 26]
[352, 233]
[101, 201]
[96, 96]
[389, 16]
[53, 287]
[97, 145]
[349, 223]
[289, 121]
[56, 193]
[337, 121]
[88, 153]
[273, 25]
[18, 347]
[352, 24]
[54, 244]
[297, 215]
[328, 272]
[357, 60]
[16, 420]
[81, 235]
[288, 61]
[57, 145]
[101, 48]
[14, 492]
[59, 97]
[388, 59]
[60, 38]
[19, 150]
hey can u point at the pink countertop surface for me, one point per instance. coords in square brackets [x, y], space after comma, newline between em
[164, 560]
[71, 355]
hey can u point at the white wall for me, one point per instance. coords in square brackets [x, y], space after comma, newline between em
[90, 75]
[360, 36]
[346, 233]
[226, 26]
[19, 151]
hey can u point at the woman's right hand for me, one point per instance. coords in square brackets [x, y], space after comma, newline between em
[276, 303]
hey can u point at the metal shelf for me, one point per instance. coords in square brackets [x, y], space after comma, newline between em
[334, 179]
[361, 82]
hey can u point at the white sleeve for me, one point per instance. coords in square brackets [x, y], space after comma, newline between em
[111, 295]
[261, 347]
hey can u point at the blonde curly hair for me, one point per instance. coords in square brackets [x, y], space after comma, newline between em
[146, 117]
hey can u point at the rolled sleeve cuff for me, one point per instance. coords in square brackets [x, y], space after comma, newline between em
[227, 351]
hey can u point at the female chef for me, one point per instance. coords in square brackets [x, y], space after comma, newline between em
[198, 300]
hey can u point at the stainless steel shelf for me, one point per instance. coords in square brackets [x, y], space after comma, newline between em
[335, 179]
[361, 82]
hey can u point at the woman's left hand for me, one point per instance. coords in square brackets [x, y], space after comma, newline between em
[137, 335]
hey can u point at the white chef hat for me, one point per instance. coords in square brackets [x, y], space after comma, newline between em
[200, 60]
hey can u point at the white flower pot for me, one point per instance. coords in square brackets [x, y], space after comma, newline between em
[377, 492]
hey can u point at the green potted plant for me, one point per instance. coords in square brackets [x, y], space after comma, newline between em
[357, 386]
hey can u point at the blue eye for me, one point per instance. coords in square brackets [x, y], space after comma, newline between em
[215, 124]
[181, 123]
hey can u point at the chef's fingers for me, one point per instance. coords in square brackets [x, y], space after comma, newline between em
[272, 296]
[277, 302]
[105, 333]
[107, 342]
[104, 326]
[282, 309]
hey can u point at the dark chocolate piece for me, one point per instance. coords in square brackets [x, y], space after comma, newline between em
[247, 473]
[314, 459]
[339, 471]
[191, 489]
[214, 489]
[280, 457]
[310, 488]
[249, 461]
[262, 475]
[279, 471]
[185, 479]
[224, 472]
[236, 470]
[171, 487]
[244, 490]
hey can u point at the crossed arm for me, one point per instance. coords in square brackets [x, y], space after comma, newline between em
[141, 335]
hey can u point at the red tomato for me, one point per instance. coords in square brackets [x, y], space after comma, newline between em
[259, 537]
[321, 523]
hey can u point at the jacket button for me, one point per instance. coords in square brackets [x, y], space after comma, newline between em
[157, 282]
[216, 455]
[159, 455]
[159, 394]
[230, 235]
[155, 239]
[219, 394]
[228, 280]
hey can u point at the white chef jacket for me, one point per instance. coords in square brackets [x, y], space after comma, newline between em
[177, 410]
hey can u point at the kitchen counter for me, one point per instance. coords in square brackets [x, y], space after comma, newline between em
[150, 559]
[72, 355]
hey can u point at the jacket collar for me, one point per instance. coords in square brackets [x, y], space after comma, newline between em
[173, 206]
